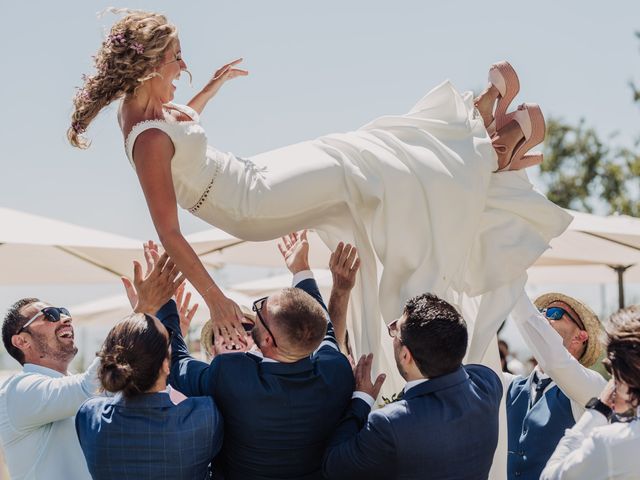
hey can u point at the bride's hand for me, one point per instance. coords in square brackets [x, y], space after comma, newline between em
[226, 319]
[224, 73]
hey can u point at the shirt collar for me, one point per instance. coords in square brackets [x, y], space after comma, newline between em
[414, 383]
[258, 353]
[538, 374]
[49, 372]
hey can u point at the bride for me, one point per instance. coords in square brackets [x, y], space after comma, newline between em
[416, 193]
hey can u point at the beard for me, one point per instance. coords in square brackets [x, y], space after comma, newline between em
[55, 349]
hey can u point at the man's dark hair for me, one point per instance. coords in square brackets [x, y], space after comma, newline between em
[435, 334]
[301, 320]
[13, 321]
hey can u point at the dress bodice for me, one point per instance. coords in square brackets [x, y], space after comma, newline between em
[194, 165]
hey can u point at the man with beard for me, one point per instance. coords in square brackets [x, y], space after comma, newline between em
[279, 404]
[37, 406]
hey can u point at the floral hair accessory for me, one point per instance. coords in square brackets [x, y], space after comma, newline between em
[116, 39]
[78, 128]
[137, 47]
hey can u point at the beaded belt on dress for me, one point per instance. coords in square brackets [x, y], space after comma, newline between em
[207, 190]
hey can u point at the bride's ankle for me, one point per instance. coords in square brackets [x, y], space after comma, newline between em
[485, 103]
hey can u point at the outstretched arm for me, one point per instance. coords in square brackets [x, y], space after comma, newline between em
[152, 155]
[344, 264]
[576, 381]
[226, 72]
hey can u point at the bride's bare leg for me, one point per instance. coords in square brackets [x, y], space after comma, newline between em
[505, 142]
[485, 103]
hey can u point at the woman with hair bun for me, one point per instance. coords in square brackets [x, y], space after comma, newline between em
[605, 442]
[140, 433]
[415, 193]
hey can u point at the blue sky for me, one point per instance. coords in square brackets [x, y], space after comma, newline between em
[316, 68]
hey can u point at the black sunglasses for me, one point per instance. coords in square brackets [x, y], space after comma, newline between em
[556, 313]
[257, 306]
[51, 314]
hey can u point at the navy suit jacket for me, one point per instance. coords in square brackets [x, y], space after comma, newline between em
[444, 428]
[148, 437]
[278, 416]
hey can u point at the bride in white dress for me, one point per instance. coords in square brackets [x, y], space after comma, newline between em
[416, 193]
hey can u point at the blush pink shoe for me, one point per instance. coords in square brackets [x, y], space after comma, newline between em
[531, 121]
[505, 79]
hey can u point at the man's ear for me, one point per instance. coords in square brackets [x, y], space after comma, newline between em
[20, 342]
[582, 336]
[405, 354]
[166, 367]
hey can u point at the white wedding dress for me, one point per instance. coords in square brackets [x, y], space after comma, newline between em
[415, 193]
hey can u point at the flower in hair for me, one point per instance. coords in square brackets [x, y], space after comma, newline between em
[79, 129]
[137, 47]
[83, 95]
[116, 39]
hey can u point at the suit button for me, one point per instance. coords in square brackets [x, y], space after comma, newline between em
[517, 474]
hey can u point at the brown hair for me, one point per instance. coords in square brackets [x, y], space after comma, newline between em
[129, 56]
[14, 321]
[300, 319]
[623, 349]
[132, 355]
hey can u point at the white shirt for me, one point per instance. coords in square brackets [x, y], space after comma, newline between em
[596, 450]
[37, 428]
[576, 381]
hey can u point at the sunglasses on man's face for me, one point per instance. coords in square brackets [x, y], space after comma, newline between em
[51, 314]
[556, 313]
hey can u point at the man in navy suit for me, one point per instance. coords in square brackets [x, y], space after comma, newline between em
[445, 424]
[281, 404]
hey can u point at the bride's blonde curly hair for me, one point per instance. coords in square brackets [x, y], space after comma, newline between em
[129, 56]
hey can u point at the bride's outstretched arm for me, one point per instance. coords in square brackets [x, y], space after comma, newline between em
[224, 73]
[152, 156]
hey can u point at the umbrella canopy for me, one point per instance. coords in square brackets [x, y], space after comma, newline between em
[36, 249]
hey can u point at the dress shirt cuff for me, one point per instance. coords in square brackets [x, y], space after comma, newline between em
[301, 276]
[365, 397]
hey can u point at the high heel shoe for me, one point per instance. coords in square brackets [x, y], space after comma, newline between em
[531, 121]
[505, 79]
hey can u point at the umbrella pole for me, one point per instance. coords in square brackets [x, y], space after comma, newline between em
[620, 269]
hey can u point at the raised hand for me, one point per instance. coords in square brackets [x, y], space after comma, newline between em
[148, 292]
[362, 374]
[295, 251]
[226, 318]
[223, 74]
[344, 264]
[186, 313]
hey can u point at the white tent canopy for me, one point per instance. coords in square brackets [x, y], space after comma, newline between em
[36, 249]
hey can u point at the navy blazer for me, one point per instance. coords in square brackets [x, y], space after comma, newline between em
[278, 416]
[444, 428]
[148, 437]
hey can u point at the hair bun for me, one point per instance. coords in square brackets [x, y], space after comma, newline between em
[115, 375]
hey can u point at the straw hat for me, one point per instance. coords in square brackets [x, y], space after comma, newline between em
[206, 335]
[588, 318]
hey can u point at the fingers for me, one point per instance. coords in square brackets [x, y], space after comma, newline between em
[235, 62]
[146, 248]
[356, 265]
[303, 235]
[283, 249]
[179, 294]
[130, 291]
[137, 272]
[377, 385]
[192, 312]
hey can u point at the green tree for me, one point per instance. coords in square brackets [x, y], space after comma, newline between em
[582, 171]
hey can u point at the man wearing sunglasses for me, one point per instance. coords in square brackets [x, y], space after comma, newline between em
[564, 335]
[37, 406]
[281, 403]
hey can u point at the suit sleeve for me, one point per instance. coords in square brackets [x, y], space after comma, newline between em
[361, 447]
[190, 376]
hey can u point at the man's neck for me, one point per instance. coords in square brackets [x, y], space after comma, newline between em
[58, 366]
[279, 356]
